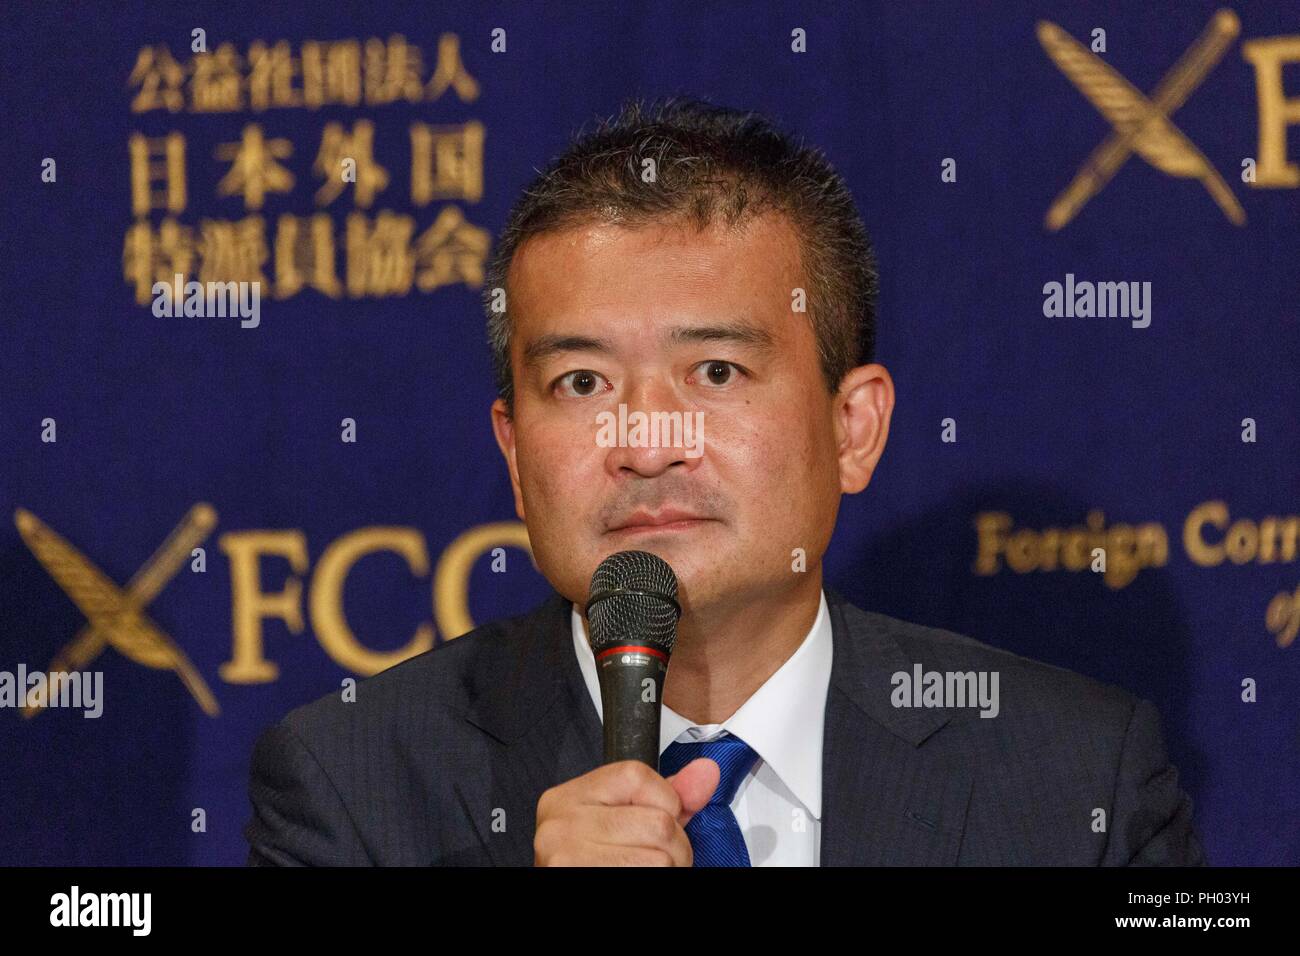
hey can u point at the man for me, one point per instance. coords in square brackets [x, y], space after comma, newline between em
[693, 260]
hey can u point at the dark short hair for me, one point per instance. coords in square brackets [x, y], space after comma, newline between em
[710, 162]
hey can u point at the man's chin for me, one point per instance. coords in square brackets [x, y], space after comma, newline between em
[689, 552]
[700, 566]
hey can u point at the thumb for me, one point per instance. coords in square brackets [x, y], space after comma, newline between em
[695, 784]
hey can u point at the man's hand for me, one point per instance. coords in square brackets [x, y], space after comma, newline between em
[623, 814]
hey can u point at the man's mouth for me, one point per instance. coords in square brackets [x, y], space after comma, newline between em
[669, 519]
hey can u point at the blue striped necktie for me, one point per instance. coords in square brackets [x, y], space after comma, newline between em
[714, 833]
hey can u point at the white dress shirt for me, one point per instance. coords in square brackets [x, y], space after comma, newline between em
[779, 802]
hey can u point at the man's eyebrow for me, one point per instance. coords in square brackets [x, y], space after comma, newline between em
[740, 332]
[545, 346]
[551, 344]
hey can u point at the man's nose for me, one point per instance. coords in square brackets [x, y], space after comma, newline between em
[653, 431]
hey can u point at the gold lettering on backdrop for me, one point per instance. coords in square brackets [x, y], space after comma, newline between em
[232, 251]
[451, 579]
[115, 617]
[216, 83]
[1276, 110]
[385, 253]
[250, 605]
[271, 71]
[304, 256]
[328, 620]
[1272, 540]
[1212, 513]
[381, 261]
[451, 250]
[446, 162]
[160, 79]
[990, 531]
[1128, 549]
[333, 72]
[356, 146]
[149, 257]
[1283, 617]
[381, 256]
[393, 71]
[1210, 538]
[254, 171]
[153, 160]
[450, 72]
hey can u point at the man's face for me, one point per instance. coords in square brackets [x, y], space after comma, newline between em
[663, 318]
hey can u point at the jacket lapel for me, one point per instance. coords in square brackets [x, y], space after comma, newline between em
[534, 705]
[886, 798]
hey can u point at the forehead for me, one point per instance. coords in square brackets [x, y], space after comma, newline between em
[665, 267]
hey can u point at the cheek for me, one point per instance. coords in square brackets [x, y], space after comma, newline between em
[768, 463]
[787, 467]
[554, 463]
[537, 464]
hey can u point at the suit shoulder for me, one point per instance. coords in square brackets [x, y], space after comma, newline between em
[433, 685]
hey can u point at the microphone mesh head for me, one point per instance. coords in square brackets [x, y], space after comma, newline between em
[648, 617]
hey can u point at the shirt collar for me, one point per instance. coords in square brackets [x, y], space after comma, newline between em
[782, 721]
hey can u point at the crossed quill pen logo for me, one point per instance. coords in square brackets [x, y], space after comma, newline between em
[1141, 125]
[115, 616]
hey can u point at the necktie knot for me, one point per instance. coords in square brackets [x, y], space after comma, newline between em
[733, 756]
[714, 833]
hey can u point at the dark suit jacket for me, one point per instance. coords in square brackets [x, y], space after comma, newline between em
[441, 759]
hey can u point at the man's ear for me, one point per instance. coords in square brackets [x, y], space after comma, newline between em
[503, 427]
[862, 407]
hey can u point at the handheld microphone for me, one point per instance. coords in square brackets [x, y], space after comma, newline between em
[632, 614]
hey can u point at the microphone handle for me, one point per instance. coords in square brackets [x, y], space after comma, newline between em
[631, 696]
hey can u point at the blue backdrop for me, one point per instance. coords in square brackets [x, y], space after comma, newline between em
[130, 439]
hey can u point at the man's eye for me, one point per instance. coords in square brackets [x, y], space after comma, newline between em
[581, 383]
[718, 372]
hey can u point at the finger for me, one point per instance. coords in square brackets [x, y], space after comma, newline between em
[604, 855]
[694, 785]
[622, 783]
[641, 826]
